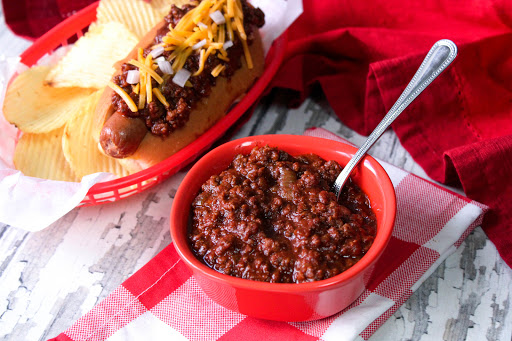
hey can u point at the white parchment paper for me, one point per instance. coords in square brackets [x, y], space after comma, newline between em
[33, 204]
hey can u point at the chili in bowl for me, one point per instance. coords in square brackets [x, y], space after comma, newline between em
[255, 221]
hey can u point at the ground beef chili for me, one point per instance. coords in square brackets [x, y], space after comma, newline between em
[161, 120]
[272, 217]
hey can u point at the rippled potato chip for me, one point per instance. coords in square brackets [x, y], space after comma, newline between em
[79, 146]
[37, 108]
[90, 62]
[41, 156]
[138, 16]
[54, 107]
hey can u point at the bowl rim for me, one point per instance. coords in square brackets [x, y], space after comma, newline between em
[285, 141]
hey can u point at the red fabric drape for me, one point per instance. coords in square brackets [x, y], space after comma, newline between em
[364, 53]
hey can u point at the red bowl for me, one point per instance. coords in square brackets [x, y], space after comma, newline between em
[285, 301]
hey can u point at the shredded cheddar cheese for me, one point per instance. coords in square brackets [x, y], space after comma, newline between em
[142, 94]
[160, 97]
[217, 70]
[201, 62]
[229, 28]
[217, 6]
[222, 34]
[223, 57]
[149, 90]
[147, 69]
[200, 31]
[248, 58]
[197, 25]
[124, 96]
[142, 81]
[140, 54]
[239, 16]
[231, 8]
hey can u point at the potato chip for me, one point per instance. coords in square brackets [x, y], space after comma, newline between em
[164, 6]
[80, 148]
[138, 16]
[40, 156]
[37, 108]
[90, 62]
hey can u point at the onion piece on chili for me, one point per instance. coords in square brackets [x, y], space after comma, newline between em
[199, 45]
[181, 77]
[227, 45]
[133, 77]
[165, 66]
[157, 52]
[218, 17]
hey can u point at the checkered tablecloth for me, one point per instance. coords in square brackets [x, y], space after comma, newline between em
[162, 301]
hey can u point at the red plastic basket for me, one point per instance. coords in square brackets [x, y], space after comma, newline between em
[74, 27]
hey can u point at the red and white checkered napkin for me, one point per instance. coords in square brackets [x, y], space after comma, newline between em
[162, 301]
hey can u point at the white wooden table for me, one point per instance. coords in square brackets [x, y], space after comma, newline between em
[50, 278]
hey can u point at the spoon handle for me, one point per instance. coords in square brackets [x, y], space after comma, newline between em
[438, 58]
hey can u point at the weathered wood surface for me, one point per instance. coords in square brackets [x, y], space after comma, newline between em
[50, 278]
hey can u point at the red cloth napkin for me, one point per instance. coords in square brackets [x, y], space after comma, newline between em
[162, 301]
[364, 53]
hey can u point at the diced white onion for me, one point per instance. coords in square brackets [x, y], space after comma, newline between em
[199, 45]
[227, 45]
[160, 58]
[202, 25]
[181, 77]
[133, 77]
[157, 51]
[218, 17]
[165, 66]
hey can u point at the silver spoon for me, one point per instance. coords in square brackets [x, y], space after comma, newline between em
[438, 58]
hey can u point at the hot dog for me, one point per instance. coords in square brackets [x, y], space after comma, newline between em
[173, 115]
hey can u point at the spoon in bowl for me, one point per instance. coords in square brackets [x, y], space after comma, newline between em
[438, 58]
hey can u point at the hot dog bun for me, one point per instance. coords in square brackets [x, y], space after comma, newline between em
[154, 149]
